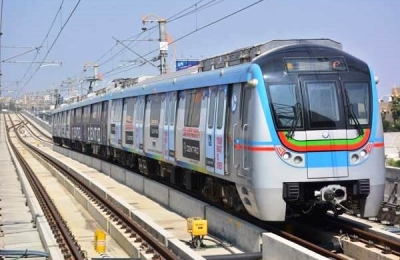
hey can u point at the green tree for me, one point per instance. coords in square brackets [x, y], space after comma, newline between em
[395, 109]
[386, 125]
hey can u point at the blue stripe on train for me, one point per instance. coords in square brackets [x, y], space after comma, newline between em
[327, 159]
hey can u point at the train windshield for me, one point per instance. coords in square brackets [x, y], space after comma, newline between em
[358, 102]
[323, 104]
[285, 105]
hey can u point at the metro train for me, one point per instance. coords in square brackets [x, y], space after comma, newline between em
[280, 129]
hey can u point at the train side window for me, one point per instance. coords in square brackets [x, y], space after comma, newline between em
[172, 113]
[94, 114]
[78, 115]
[166, 110]
[221, 104]
[119, 111]
[188, 101]
[211, 110]
[129, 104]
[245, 105]
[104, 112]
[155, 110]
[193, 109]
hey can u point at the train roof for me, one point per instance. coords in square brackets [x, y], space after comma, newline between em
[247, 54]
[233, 62]
[170, 82]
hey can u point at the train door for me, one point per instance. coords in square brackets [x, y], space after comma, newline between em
[153, 125]
[239, 130]
[169, 105]
[115, 120]
[103, 123]
[127, 123]
[215, 130]
[67, 123]
[326, 136]
[139, 116]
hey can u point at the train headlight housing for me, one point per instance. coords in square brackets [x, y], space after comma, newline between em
[363, 153]
[286, 156]
[298, 160]
[355, 158]
[252, 82]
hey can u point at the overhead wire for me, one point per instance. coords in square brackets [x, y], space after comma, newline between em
[194, 31]
[52, 45]
[1, 34]
[136, 36]
[43, 41]
[21, 54]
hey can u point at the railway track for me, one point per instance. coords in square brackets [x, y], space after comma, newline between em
[387, 247]
[35, 131]
[71, 248]
[372, 240]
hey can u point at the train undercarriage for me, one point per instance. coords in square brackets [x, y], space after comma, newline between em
[316, 198]
[215, 190]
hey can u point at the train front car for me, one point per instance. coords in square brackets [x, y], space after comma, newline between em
[321, 109]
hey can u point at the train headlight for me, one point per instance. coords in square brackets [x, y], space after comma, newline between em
[363, 153]
[355, 158]
[286, 156]
[298, 160]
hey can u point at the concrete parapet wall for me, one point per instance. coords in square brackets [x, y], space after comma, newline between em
[41, 123]
[105, 168]
[118, 174]
[392, 172]
[96, 163]
[135, 181]
[246, 236]
[277, 248]
[191, 208]
[156, 191]
[181, 250]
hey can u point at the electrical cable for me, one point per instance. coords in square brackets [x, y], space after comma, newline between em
[44, 39]
[1, 34]
[18, 55]
[52, 45]
[170, 19]
[194, 31]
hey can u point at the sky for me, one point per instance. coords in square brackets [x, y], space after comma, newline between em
[367, 29]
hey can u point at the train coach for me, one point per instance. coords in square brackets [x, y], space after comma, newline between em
[280, 129]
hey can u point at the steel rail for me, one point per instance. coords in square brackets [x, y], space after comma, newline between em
[148, 238]
[367, 237]
[70, 247]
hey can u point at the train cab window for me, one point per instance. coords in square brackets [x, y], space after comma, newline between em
[285, 105]
[211, 110]
[358, 98]
[323, 104]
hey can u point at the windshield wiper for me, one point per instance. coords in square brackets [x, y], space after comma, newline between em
[297, 113]
[352, 116]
